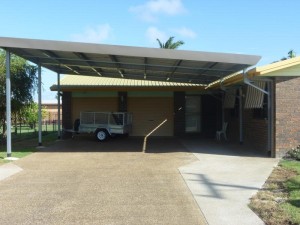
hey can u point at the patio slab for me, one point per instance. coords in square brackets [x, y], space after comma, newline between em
[223, 180]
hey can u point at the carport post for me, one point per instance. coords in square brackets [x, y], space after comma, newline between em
[58, 105]
[270, 119]
[8, 105]
[241, 114]
[40, 103]
[223, 108]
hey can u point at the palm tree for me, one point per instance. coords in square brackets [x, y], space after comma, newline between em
[291, 54]
[170, 44]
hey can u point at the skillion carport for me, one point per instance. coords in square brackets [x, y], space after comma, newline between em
[183, 73]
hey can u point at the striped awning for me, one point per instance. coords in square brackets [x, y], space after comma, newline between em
[254, 97]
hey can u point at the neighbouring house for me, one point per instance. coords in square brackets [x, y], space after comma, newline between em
[51, 112]
[194, 109]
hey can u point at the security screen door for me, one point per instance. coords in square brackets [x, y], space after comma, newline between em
[192, 114]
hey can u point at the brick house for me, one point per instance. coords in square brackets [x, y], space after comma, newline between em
[51, 110]
[198, 92]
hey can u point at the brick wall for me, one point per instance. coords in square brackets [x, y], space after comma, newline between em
[179, 113]
[67, 122]
[255, 131]
[122, 101]
[287, 123]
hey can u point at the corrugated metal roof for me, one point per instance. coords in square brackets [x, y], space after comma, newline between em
[280, 68]
[128, 62]
[77, 81]
[280, 65]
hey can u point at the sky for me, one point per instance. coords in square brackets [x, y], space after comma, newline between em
[269, 28]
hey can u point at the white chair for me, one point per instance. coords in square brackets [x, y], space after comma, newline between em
[223, 131]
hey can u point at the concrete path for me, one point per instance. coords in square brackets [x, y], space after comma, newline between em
[8, 169]
[223, 179]
[111, 183]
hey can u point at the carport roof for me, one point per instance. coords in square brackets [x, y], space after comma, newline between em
[285, 68]
[128, 62]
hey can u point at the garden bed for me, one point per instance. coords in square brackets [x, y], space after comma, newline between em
[278, 202]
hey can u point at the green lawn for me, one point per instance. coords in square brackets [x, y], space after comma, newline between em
[25, 144]
[292, 185]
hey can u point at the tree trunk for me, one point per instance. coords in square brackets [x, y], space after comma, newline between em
[3, 132]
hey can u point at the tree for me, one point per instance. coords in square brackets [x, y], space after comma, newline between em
[169, 44]
[291, 54]
[23, 85]
[29, 114]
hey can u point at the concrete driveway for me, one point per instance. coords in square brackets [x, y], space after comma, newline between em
[85, 182]
[224, 178]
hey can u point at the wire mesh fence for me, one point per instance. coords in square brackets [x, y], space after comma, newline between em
[27, 131]
[47, 126]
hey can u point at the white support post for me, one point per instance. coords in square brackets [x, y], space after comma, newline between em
[58, 108]
[40, 103]
[8, 105]
[241, 114]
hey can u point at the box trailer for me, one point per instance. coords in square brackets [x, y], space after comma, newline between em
[103, 124]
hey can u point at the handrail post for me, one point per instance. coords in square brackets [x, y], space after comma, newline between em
[151, 132]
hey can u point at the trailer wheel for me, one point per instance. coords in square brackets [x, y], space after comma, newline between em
[101, 135]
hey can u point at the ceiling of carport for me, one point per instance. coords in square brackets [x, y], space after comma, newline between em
[128, 62]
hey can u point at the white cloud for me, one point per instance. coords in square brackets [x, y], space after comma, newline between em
[96, 34]
[152, 33]
[152, 8]
[185, 32]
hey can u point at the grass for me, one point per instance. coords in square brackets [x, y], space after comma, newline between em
[278, 202]
[291, 164]
[23, 145]
[292, 185]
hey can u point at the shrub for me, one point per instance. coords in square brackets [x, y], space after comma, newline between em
[294, 153]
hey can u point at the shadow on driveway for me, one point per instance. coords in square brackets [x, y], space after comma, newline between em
[84, 143]
[214, 147]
